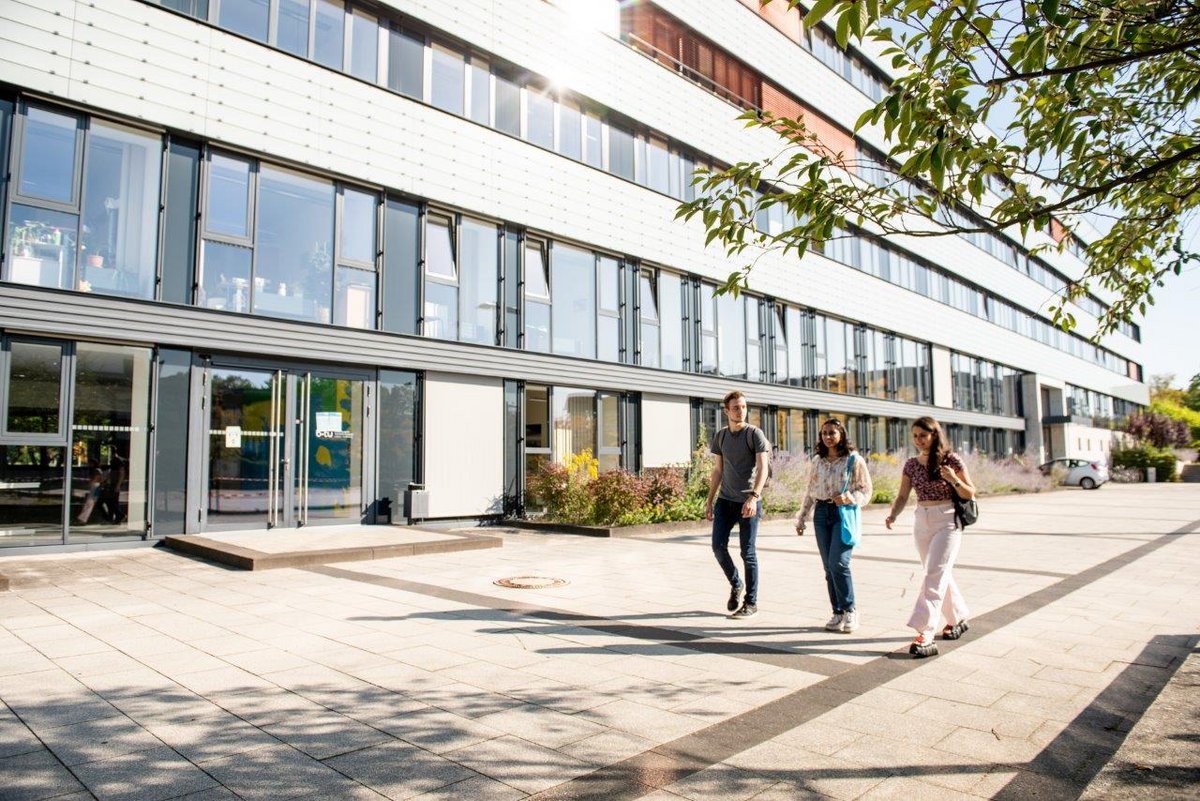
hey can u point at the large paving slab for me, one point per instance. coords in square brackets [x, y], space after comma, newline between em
[148, 674]
[323, 545]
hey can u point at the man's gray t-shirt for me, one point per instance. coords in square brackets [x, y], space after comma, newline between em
[737, 454]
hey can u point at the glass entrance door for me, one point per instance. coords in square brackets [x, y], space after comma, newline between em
[248, 465]
[285, 448]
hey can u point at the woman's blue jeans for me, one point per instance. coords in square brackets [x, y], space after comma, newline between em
[835, 556]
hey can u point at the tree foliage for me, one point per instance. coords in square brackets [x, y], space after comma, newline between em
[1159, 430]
[1095, 114]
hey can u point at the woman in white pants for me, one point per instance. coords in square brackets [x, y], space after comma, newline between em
[934, 474]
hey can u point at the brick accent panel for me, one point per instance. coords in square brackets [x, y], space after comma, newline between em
[1057, 232]
[783, 19]
[832, 138]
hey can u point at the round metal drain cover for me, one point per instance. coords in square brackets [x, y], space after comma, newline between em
[530, 582]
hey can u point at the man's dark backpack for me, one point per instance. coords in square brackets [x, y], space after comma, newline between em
[750, 444]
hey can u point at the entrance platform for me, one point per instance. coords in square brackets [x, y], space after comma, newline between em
[268, 550]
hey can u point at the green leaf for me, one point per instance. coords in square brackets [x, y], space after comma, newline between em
[818, 12]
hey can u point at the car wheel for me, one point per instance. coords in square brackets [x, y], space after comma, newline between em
[1087, 482]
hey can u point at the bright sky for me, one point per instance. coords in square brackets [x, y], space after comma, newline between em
[1170, 332]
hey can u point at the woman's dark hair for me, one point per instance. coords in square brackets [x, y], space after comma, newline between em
[937, 447]
[844, 445]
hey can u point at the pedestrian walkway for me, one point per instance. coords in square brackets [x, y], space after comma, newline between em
[150, 675]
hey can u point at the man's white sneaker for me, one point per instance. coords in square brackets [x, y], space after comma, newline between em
[835, 622]
[849, 621]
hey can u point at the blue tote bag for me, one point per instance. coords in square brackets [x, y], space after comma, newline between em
[851, 517]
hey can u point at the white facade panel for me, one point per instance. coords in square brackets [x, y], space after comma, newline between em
[666, 430]
[464, 452]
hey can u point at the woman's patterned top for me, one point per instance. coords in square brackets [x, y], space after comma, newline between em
[930, 489]
[826, 477]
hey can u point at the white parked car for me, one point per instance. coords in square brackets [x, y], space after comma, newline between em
[1082, 472]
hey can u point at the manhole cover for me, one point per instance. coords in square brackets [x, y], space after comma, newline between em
[530, 582]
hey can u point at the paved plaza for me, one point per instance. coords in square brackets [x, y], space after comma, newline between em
[146, 674]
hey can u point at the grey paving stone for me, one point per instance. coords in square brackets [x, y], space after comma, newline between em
[325, 735]
[519, 763]
[15, 736]
[150, 775]
[98, 739]
[34, 776]
[277, 772]
[213, 737]
[398, 770]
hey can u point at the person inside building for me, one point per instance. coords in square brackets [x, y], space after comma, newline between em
[838, 477]
[735, 497]
[934, 473]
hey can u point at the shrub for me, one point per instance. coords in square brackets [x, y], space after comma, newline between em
[562, 490]
[885, 476]
[1146, 455]
[1159, 430]
[615, 493]
[664, 485]
[789, 480]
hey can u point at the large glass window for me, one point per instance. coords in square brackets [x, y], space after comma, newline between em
[31, 495]
[293, 267]
[608, 443]
[609, 320]
[508, 106]
[448, 79]
[401, 270]
[291, 26]
[649, 322]
[406, 62]
[399, 400]
[570, 130]
[574, 422]
[731, 335]
[481, 91]
[355, 285]
[479, 282]
[708, 329]
[364, 46]
[110, 442]
[93, 230]
[120, 211]
[537, 298]
[441, 278]
[247, 17]
[33, 390]
[620, 152]
[48, 163]
[573, 306]
[539, 117]
[670, 305]
[329, 35]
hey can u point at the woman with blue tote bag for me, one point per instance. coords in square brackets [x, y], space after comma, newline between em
[838, 484]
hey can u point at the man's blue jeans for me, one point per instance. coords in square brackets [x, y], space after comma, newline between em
[727, 514]
[835, 556]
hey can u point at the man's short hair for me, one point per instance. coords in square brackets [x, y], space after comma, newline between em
[732, 396]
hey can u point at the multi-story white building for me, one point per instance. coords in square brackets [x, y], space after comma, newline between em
[268, 262]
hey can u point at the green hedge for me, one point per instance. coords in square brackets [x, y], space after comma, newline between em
[1143, 456]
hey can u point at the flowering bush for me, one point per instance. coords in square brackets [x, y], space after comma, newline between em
[579, 494]
[615, 492]
[562, 490]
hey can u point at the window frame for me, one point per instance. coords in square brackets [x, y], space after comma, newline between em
[66, 375]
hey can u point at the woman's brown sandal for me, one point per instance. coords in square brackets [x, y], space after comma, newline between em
[957, 630]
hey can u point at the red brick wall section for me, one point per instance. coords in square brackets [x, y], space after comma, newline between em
[784, 19]
[831, 137]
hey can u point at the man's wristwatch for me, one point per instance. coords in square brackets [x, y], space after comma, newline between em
[755, 495]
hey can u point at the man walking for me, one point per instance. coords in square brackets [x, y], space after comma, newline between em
[735, 496]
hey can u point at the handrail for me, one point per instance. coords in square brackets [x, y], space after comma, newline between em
[698, 78]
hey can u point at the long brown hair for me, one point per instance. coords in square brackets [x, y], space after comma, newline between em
[844, 446]
[937, 448]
